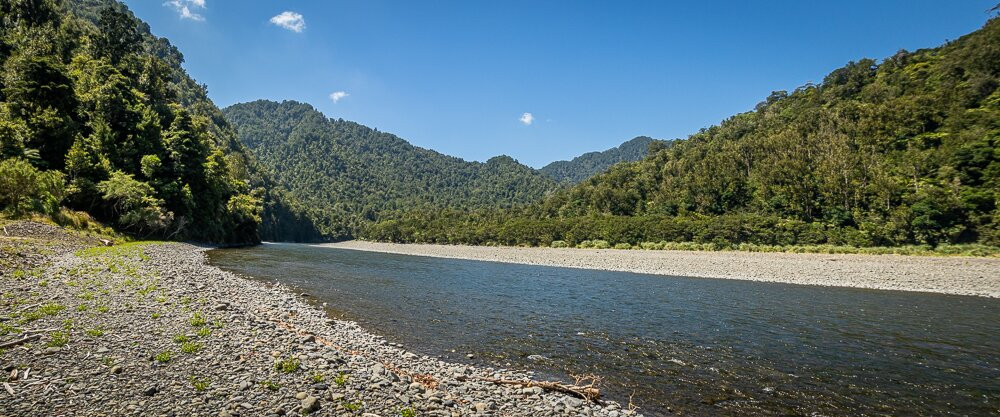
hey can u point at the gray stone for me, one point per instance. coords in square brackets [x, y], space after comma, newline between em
[310, 404]
[301, 396]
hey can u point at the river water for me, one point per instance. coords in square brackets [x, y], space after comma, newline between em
[674, 345]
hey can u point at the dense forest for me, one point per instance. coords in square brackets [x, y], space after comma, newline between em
[98, 115]
[902, 151]
[345, 175]
[593, 163]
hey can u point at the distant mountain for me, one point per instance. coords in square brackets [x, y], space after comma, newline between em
[881, 153]
[593, 163]
[346, 174]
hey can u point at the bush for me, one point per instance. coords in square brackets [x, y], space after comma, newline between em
[559, 244]
[623, 246]
[23, 188]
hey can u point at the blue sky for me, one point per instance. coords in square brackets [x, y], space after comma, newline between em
[459, 76]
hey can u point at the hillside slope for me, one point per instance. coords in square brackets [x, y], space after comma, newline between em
[98, 114]
[593, 163]
[348, 174]
[904, 151]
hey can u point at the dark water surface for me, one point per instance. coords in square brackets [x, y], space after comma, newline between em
[686, 345]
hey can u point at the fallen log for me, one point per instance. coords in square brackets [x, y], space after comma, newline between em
[20, 341]
[588, 392]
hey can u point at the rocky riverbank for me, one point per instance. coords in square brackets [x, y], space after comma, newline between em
[150, 329]
[947, 275]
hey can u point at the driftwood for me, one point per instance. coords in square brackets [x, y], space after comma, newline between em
[588, 392]
[20, 341]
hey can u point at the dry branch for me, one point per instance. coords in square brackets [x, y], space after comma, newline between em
[588, 392]
[23, 340]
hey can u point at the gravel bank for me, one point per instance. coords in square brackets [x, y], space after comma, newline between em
[947, 275]
[149, 329]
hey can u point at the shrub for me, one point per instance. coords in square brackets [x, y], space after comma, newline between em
[23, 188]
[559, 244]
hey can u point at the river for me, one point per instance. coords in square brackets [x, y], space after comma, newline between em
[690, 346]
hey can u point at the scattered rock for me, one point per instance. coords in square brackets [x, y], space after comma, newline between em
[310, 404]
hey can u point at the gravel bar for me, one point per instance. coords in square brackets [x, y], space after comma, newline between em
[947, 275]
[151, 330]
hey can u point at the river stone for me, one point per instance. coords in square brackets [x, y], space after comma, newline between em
[310, 404]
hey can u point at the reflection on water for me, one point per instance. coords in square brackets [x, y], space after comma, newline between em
[684, 345]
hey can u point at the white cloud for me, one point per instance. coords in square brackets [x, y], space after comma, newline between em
[290, 20]
[337, 95]
[183, 8]
[527, 118]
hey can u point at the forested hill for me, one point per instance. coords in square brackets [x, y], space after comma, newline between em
[880, 153]
[592, 163]
[97, 114]
[347, 174]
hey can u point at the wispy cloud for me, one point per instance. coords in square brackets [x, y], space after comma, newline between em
[337, 95]
[290, 20]
[183, 8]
[527, 118]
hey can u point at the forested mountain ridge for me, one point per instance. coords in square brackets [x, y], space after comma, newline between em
[96, 113]
[347, 174]
[592, 163]
[902, 151]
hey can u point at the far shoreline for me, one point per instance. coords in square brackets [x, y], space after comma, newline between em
[972, 276]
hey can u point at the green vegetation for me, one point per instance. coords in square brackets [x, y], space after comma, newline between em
[340, 379]
[593, 163]
[317, 377]
[270, 385]
[352, 406]
[902, 152]
[197, 320]
[163, 357]
[349, 175]
[190, 347]
[204, 332]
[58, 339]
[408, 412]
[200, 384]
[287, 365]
[95, 332]
[97, 114]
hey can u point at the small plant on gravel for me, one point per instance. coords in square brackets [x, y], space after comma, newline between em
[162, 357]
[218, 323]
[86, 295]
[197, 320]
[161, 299]
[43, 283]
[58, 339]
[180, 338]
[408, 412]
[51, 309]
[190, 347]
[108, 361]
[156, 315]
[102, 308]
[68, 324]
[340, 379]
[199, 384]
[204, 332]
[98, 332]
[349, 406]
[288, 365]
[82, 307]
[270, 385]
[317, 377]
[6, 329]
